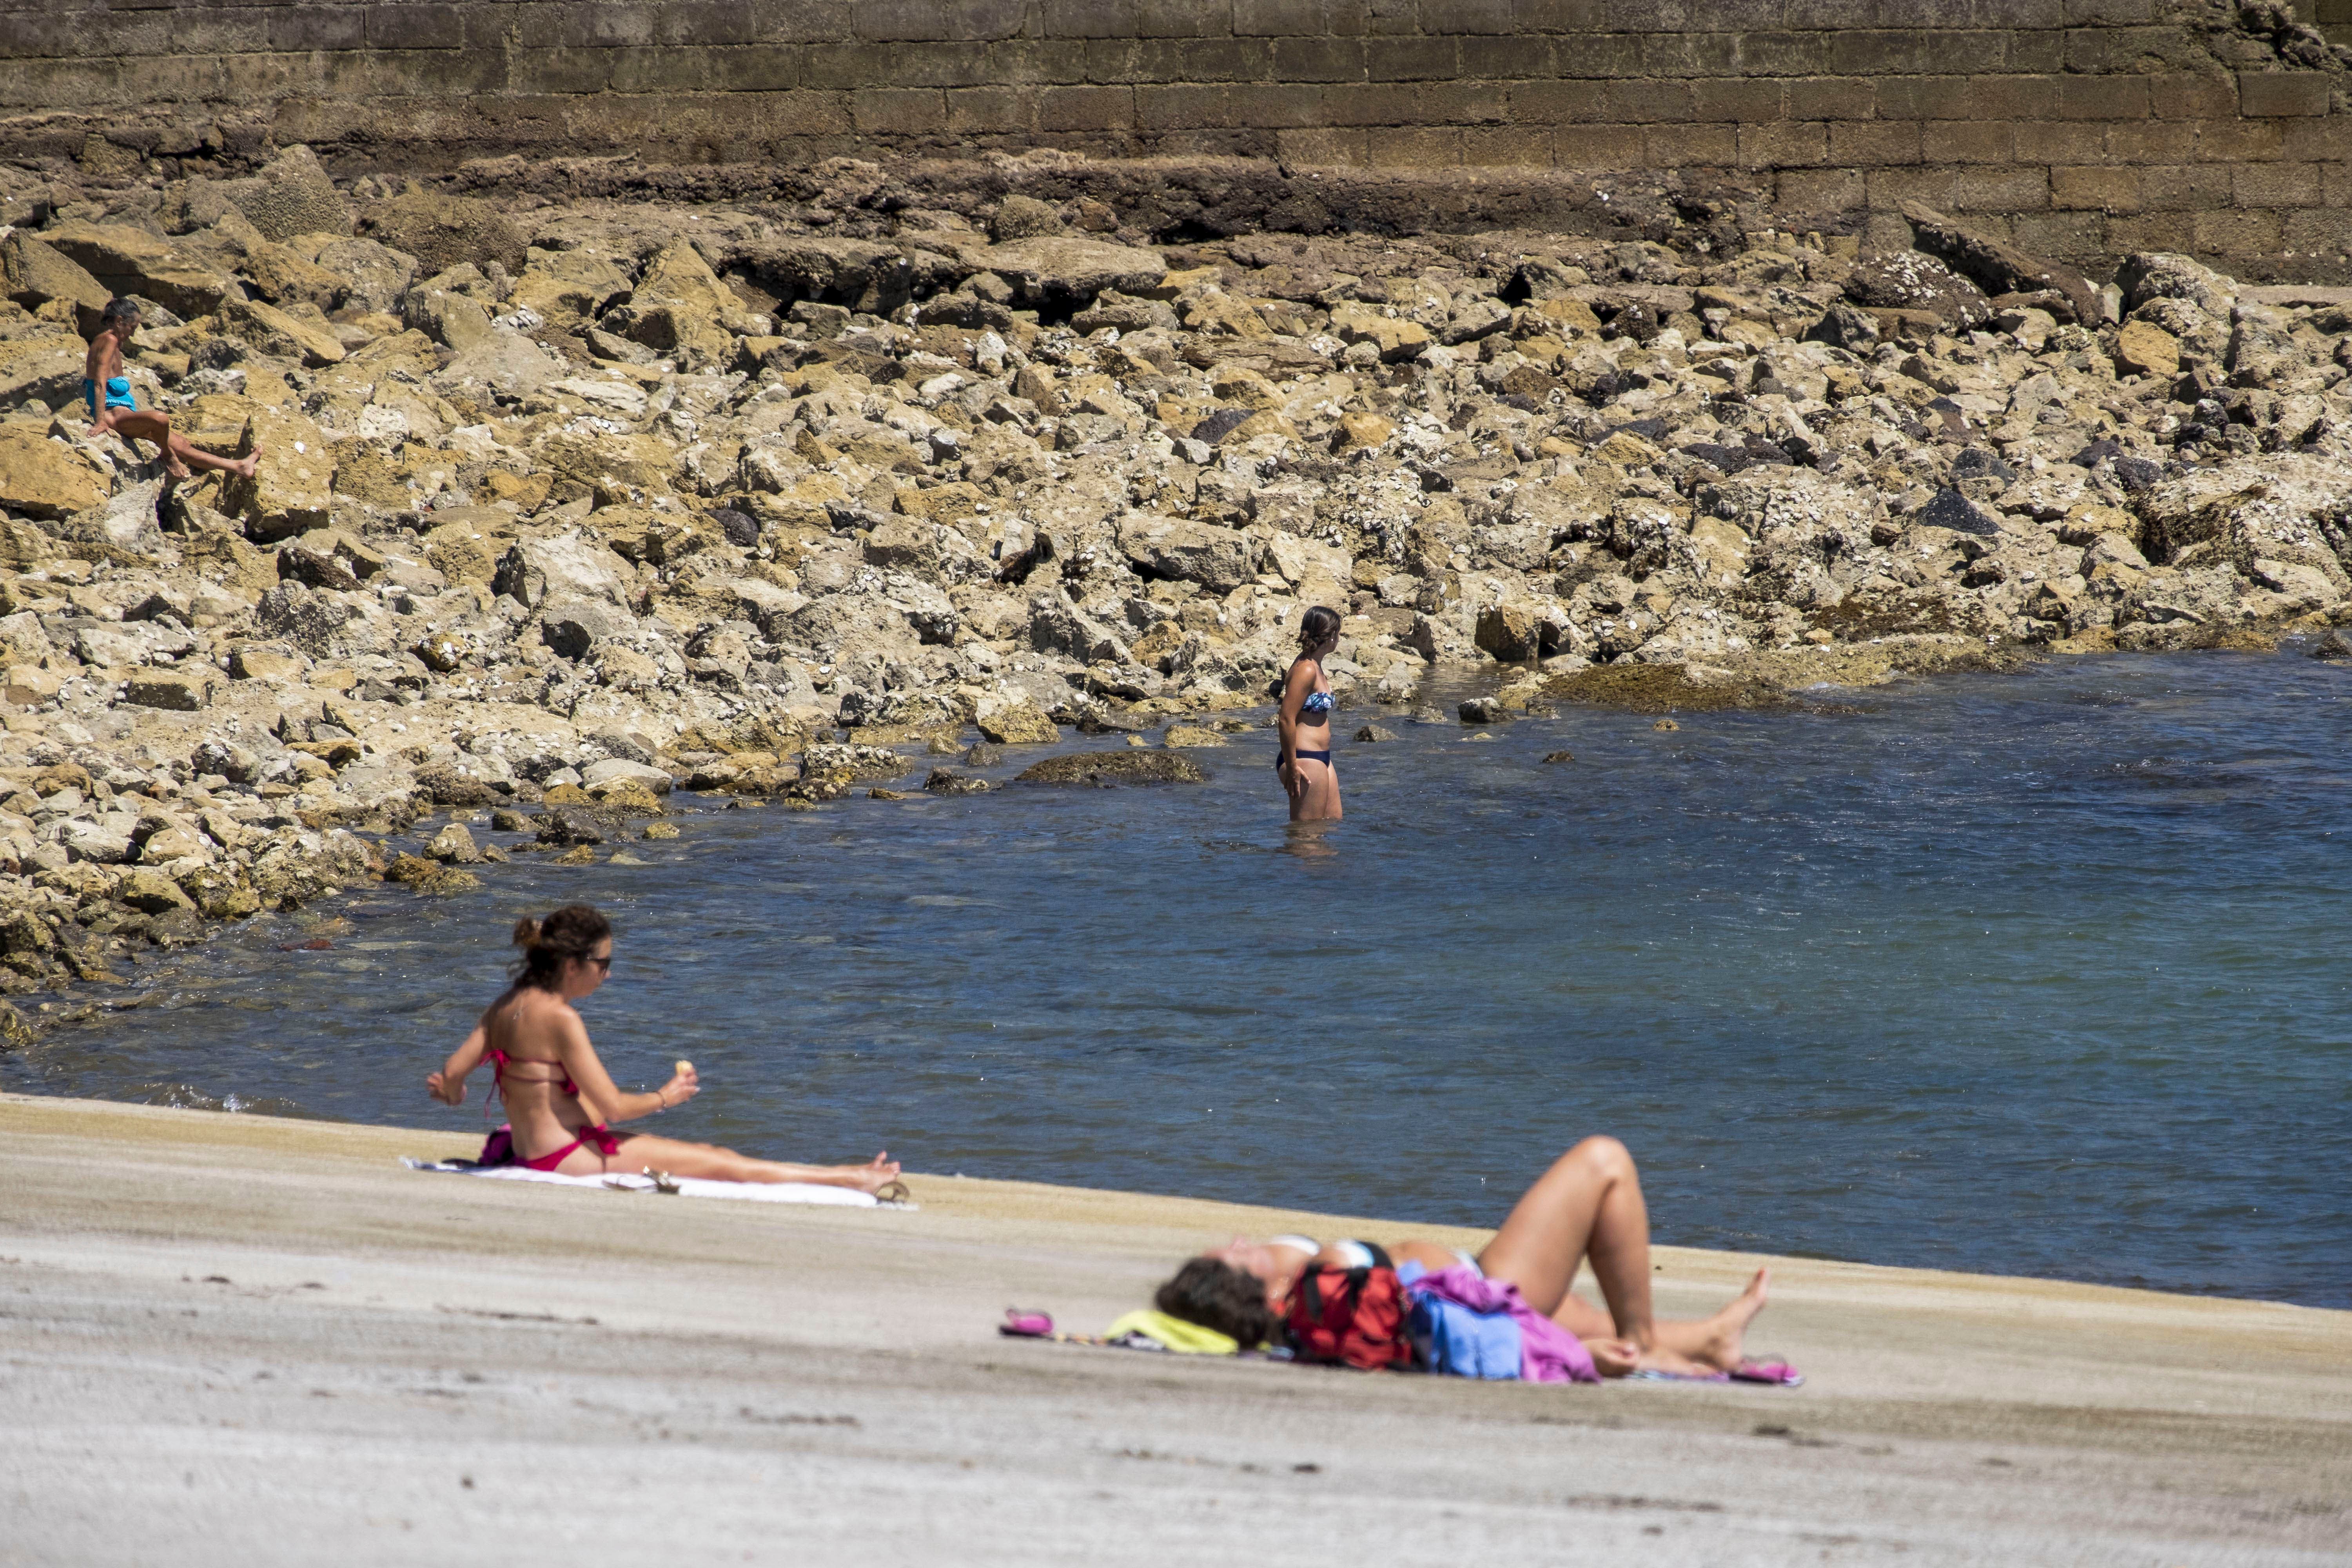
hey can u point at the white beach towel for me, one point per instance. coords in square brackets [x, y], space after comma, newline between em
[687, 1186]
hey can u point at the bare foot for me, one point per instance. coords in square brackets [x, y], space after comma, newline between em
[874, 1174]
[1727, 1338]
[174, 468]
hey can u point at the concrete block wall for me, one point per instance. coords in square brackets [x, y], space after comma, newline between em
[2083, 128]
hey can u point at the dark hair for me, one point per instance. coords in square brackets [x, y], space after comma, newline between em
[550, 945]
[1317, 626]
[1216, 1295]
[117, 309]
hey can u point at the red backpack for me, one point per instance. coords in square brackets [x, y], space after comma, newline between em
[1354, 1316]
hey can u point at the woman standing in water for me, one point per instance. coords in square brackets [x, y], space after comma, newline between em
[560, 1100]
[1304, 722]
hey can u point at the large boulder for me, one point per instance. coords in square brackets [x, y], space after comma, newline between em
[567, 566]
[124, 521]
[1065, 270]
[372, 275]
[443, 231]
[1219, 559]
[1396, 337]
[507, 363]
[1015, 719]
[568, 286]
[1999, 268]
[311, 621]
[270, 330]
[572, 627]
[33, 273]
[291, 196]
[44, 477]
[678, 307]
[2162, 275]
[127, 261]
[612, 770]
[296, 866]
[1910, 280]
[293, 489]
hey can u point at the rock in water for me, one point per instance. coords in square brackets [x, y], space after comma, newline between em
[1103, 769]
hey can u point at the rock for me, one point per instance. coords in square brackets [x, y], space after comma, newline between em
[1910, 280]
[443, 232]
[572, 627]
[1665, 724]
[274, 331]
[312, 622]
[452, 845]
[619, 770]
[2160, 274]
[1396, 337]
[1373, 734]
[566, 567]
[1015, 720]
[251, 663]
[152, 893]
[104, 842]
[292, 196]
[2142, 349]
[1509, 632]
[1555, 757]
[945, 781]
[983, 755]
[1103, 768]
[42, 477]
[1484, 710]
[1999, 268]
[33, 274]
[2336, 645]
[1060, 271]
[1219, 559]
[180, 691]
[292, 490]
[1843, 327]
[123, 522]
[1194, 735]
[127, 261]
[1950, 508]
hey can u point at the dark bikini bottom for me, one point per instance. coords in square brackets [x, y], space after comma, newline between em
[1323, 757]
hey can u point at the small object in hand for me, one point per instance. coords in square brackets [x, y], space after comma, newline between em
[684, 1067]
[1025, 1325]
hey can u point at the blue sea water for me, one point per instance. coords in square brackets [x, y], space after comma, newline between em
[2034, 973]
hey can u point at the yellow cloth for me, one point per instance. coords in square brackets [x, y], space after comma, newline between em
[1183, 1338]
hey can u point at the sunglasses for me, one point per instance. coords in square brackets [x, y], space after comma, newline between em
[604, 964]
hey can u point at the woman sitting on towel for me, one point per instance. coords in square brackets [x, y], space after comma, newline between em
[560, 1100]
[1589, 1204]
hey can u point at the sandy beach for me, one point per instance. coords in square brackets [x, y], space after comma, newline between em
[234, 1339]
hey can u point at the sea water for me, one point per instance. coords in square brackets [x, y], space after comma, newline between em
[2035, 973]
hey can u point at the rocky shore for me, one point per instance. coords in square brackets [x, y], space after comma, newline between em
[565, 504]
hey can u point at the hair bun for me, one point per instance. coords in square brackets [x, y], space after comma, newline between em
[526, 932]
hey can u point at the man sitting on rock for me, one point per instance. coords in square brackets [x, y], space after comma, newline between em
[121, 411]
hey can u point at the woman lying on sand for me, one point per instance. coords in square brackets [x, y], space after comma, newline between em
[1587, 1205]
[559, 1097]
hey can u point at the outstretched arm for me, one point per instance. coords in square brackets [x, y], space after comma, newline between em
[599, 1096]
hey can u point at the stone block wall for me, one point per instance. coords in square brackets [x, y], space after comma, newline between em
[2082, 128]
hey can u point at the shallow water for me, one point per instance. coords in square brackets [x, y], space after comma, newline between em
[2030, 974]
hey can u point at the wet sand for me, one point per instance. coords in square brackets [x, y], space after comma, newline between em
[236, 1340]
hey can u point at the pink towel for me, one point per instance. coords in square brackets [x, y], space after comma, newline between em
[1548, 1353]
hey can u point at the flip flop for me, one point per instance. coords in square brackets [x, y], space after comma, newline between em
[893, 1192]
[1776, 1372]
[1025, 1325]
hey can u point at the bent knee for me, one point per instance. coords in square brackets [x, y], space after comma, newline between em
[1603, 1155]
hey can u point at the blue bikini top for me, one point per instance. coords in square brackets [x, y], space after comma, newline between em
[1315, 703]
